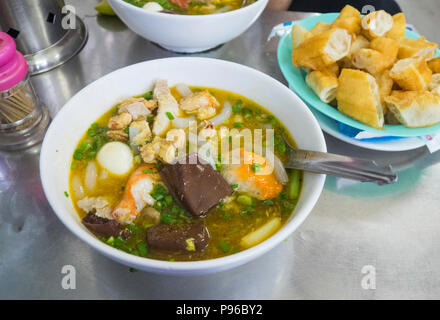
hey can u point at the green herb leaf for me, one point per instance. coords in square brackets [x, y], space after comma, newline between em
[224, 246]
[169, 115]
[148, 95]
[236, 109]
[256, 167]
[78, 155]
[142, 248]
[150, 119]
[245, 200]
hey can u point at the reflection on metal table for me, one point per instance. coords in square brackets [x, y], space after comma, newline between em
[391, 228]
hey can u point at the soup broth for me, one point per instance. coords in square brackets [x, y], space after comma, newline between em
[196, 7]
[228, 223]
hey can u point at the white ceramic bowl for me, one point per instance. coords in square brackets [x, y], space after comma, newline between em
[91, 102]
[188, 33]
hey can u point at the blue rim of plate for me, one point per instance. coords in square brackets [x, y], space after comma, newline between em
[296, 79]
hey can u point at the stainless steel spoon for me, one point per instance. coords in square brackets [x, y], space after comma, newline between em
[340, 166]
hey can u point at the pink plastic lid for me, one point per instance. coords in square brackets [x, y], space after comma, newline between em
[13, 66]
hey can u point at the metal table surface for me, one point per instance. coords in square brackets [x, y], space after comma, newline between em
[394, 229]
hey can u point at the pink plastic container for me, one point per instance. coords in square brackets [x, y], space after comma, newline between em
[22, 116]
[13, 66]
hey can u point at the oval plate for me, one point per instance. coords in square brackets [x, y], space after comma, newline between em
[296, 79]
[331, 127]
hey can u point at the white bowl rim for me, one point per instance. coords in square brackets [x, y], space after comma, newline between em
[180, 267]
[193, 16]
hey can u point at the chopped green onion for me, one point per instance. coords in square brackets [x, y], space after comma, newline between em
[256, 167]
[119, 242]
[91, 132]
[167, 218]
[91, 154]
[132, 228]
[281, 147]
[236, 109]
[247, 113]
[168, 199]
[169, 115]
[66, 194]
[245, 200]
[234, 186]
[147, 172]
[238, 124]
[78, 155]
[224, 246]
[148, 95]
[110, 241]
[142, 249]
[293, 186]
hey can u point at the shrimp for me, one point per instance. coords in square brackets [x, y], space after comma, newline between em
[137, 194]
[261, 184]
[168, 107]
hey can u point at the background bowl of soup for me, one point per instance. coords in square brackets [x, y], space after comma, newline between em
[93, 101]
[188, 33]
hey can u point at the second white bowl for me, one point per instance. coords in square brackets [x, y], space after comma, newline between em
[188, 33]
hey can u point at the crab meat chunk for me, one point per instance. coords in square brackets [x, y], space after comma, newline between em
[202, 103]
[120, 122]
[117, 135]
[139, 132]
[150, 150]
[177, 137]
[168, 107]
[99, 206]
[137, 110]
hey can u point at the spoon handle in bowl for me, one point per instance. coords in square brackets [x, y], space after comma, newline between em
[341, 166]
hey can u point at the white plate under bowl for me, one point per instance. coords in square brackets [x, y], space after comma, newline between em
[94, 100]
[330, 126]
